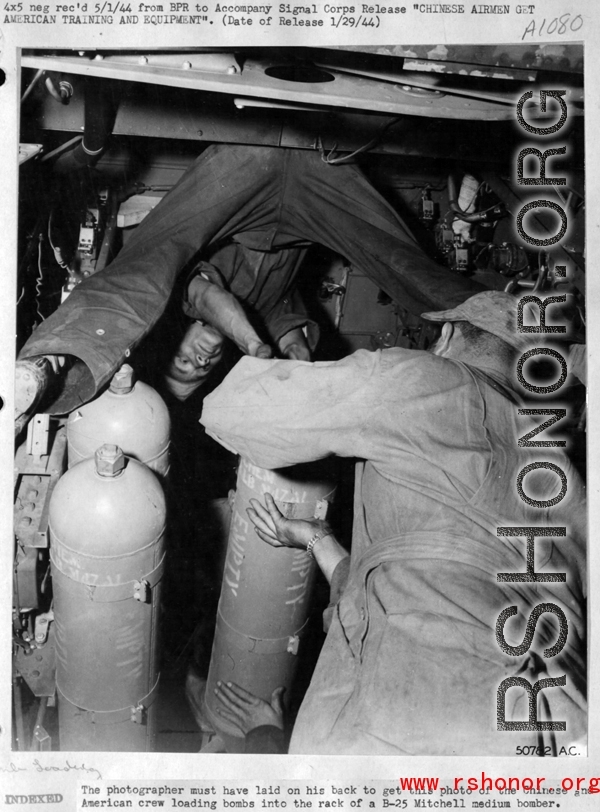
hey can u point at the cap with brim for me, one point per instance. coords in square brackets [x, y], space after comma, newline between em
[490, 310]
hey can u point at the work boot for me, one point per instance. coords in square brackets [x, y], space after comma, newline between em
[32, 377]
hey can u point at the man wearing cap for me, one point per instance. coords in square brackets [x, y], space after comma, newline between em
[411, 664]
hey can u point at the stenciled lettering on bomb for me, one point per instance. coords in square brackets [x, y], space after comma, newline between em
[531, 533]
[303, 566]
[236, 552]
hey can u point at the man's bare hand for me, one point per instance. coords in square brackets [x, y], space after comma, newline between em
[297, 352]
[272, 526]
[245, 711]
[221, 309]
[257, 349]
[293, 345]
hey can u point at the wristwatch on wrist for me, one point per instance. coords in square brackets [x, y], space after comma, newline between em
[320, 534]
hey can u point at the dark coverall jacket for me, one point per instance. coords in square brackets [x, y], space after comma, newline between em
[264, 282]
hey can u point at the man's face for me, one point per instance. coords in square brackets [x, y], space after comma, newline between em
[200, 351]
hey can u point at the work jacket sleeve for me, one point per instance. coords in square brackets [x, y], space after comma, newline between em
[280, 413]
[208, 272]
[265, 739]
[288, 314]
[339, 579]
[275, 321]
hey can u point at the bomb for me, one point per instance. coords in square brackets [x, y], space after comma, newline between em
[266, 591]
[129, 414]
[107, 522]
